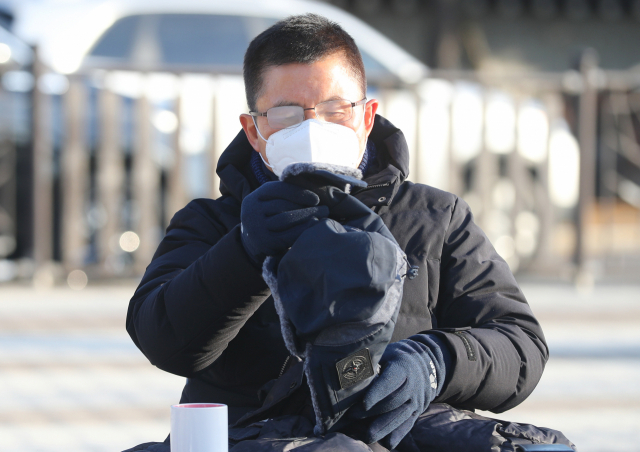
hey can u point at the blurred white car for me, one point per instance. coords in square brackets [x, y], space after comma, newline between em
[186, 35]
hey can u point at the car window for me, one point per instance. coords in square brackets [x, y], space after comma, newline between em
[206, 39]
[372, 67]
[118, 40]
[193, 39]
[183, 39]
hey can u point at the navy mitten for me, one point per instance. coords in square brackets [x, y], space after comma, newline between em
[274, 215]
[337, 292]
[413, 373]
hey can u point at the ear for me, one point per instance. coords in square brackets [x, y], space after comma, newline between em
[250, 131]
[370, 109]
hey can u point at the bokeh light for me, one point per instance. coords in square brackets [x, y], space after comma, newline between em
[500, 130]
[564, 167]
[5, 53]
[165, 121]
[467, 114]
[504, 194]
[533, 132]
[129, 241]
[77, 280]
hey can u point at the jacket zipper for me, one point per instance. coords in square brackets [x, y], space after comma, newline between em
[284, 366]
[371, 187]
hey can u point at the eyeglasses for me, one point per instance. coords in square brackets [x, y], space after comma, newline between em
[336, 111]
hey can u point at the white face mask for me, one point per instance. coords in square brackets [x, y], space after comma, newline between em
[312, 141]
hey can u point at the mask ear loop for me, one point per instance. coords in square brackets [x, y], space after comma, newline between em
[258, 130]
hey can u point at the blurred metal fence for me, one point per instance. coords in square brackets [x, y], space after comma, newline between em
[542, 159]
[568, 178]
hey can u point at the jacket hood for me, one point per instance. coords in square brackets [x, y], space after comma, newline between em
[392, 160]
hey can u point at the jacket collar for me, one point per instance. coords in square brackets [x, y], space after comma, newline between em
[394, 150]
[388, 172]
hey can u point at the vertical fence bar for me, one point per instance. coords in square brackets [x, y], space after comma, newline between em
[145, 186]
[633, 99]
[588, 108]
[175, 184]
[75, 174]
[455, 170]
[42, 178]
[542, 199]
[418, 156]
[544, 255]
[516, 171]
[8, 192]
[8, 179]
[485, 174]
[110, 173]
[214, 148]
[523, 185]
[609, 145]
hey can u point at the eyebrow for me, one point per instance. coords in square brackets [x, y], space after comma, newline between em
[286, 103]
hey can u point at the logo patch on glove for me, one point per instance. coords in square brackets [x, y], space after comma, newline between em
[354, 368]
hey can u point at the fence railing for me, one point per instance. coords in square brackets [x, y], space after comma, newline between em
[538, 157]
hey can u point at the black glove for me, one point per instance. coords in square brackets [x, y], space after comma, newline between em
[275, 215]
[413, 373]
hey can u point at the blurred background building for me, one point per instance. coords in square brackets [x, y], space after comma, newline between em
[114, 115]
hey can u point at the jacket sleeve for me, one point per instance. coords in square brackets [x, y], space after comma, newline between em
[196, 294]
[497, 346]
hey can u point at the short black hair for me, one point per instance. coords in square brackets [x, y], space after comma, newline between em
[298, 39]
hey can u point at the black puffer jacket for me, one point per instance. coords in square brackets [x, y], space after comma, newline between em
[203, 310]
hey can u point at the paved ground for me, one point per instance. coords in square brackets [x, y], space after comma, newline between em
[71, 379]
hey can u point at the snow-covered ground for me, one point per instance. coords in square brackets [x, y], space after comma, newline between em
[72, 380]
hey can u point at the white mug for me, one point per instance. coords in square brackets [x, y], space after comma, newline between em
[199, 427]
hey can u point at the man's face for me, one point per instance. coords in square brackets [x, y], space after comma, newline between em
[307, 85]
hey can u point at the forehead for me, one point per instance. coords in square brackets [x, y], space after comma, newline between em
[308, 84]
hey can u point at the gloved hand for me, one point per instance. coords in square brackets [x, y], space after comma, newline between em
[337, 292]
[413, 373]
[274, 215]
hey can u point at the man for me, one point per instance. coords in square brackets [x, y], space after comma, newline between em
[204, 311]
